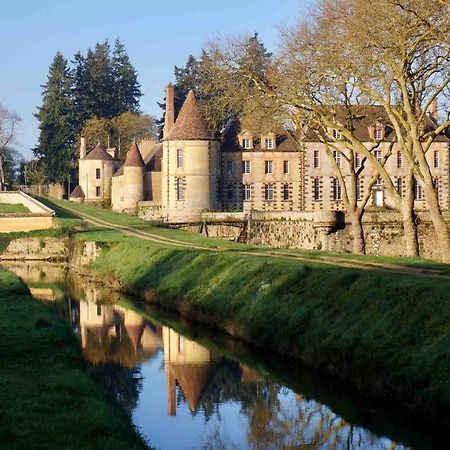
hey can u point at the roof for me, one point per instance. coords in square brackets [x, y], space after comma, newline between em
[154, 162]
[360, 118]
[99, 153]
[231, 141]
[190, 123]
[77, 192]
[119, 172]
[134, 157]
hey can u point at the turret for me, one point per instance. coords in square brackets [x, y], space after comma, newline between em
[133, 178]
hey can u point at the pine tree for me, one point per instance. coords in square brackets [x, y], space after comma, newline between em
[56, 122]
[127, 87]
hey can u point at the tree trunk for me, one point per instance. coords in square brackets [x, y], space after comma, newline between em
[359, 243]
[409, 218]
[439, 223]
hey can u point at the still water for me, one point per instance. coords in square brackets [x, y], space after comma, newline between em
[188, 388]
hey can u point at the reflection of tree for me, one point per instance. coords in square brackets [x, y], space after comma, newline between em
[292, 422]
[122, 382]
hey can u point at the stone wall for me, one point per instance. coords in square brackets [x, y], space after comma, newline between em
[37, 248]
[383, 232]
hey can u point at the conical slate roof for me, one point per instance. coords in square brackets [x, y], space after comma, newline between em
[190, 125]
[134, 157]
[99, 153]
[119, 172]
[77, 192]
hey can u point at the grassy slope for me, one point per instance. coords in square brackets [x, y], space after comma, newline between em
[48, 401]
[61, 207]
[389, 334]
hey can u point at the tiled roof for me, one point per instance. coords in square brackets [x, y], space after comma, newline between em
[190, 124]
[99, 154]
[362, 117]
[154, 163]
[134, 157]
[77, 192]
[119, 172]
[231, 141]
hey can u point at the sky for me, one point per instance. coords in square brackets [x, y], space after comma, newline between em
[157, 35]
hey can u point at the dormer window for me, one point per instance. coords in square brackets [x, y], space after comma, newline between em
[379, 132]
[337, 134]
[268, 143]
[246, 143]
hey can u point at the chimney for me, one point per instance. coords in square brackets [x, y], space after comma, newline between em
[82, 148]
[433, 110]
[170, 110]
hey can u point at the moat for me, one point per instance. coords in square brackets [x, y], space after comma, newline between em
[188, 387]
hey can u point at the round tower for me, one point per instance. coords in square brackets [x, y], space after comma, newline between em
[133, 178]
[189, 166]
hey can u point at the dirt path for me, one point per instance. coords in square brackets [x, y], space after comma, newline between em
[325, 259]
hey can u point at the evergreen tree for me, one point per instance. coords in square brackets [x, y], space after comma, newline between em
[127, 87]
[56, 122]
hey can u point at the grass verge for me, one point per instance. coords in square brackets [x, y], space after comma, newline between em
[48, 401]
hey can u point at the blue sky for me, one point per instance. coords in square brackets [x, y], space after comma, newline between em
[157, 35]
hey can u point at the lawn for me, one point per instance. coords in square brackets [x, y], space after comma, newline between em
[7, 208]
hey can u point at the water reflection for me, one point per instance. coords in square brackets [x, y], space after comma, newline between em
[181, 393]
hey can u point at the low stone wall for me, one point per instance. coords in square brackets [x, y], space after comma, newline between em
[383, 233]
[44, 248]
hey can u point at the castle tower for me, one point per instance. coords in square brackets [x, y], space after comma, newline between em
[95, 172]
[189, 165]
[133, 178]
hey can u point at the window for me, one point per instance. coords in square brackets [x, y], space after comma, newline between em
[436, 158]
[99, 310]
[357, 161]
[246, 166]
[180, 344]
[337, 191]
[285, 167]
[247, 192]
[379, 134]
[358, 188]
[378, 155]
[246, 143]
[316, 189]
[337, 134]
[399, 160]
[269, 143]
[337, 157]
[286, 192]
[268, 192]
[98, 191]
[400, 186]
[179, 189]
[268, 166]
[418, 193]
[230, 192]
[316, 162]
[97, 174]
[179, 157]
[229, 167]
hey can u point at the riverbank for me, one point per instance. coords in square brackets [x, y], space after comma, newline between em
[48, 400]
[388, 334]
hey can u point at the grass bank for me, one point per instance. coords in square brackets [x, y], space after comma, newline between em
[388, 334]
[48, 400]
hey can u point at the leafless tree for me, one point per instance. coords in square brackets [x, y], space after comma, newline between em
[8, 133]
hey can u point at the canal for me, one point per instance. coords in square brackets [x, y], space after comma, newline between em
[187, 387]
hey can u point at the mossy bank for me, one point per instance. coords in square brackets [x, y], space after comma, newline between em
[386, 333]
[48, 400]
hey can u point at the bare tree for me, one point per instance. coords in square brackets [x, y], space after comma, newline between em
[8, 133]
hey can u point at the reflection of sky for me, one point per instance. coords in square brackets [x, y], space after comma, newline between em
[184, 430]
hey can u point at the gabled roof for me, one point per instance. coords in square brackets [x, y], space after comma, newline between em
[190, 124]
[99, 154]
[134, 157]
[77, 192]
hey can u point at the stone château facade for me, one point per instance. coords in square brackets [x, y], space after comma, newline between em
[192, 171]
